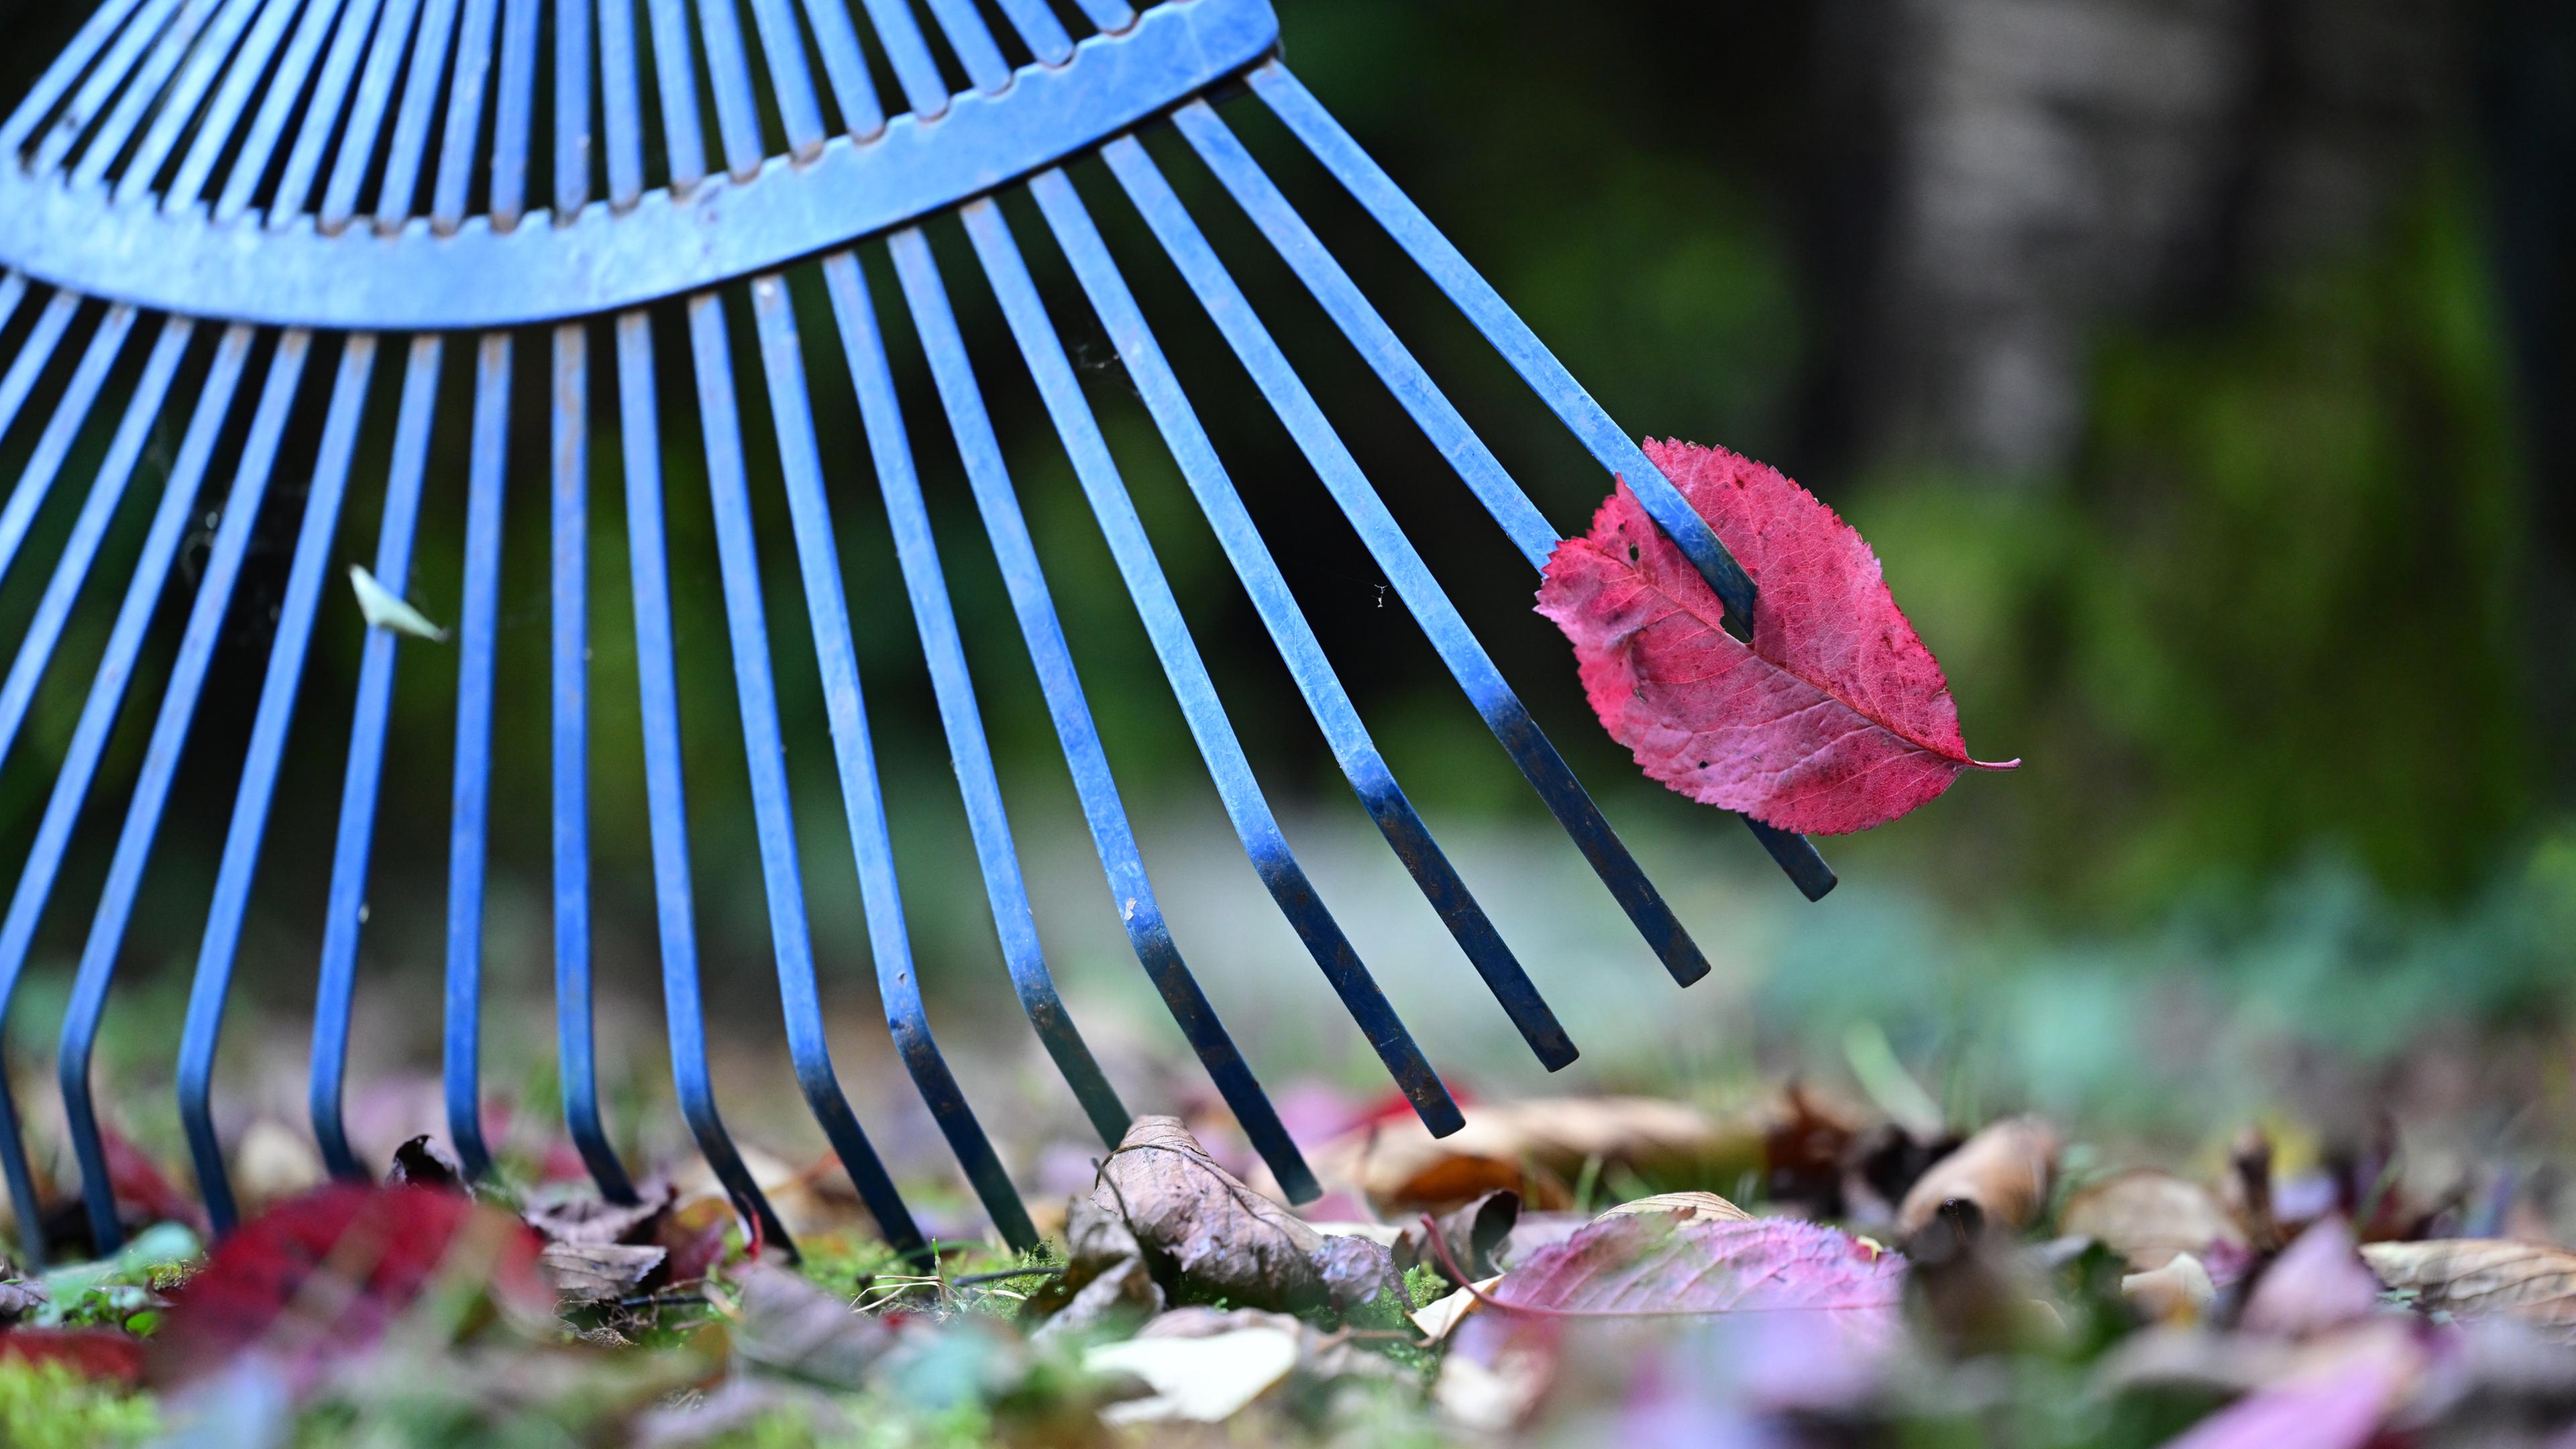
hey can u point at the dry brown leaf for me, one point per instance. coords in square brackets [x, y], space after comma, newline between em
[2003, 1170]
[2147, 1217]
[1536, 1148]
[575, 1213]
[1685, 1207]
[596, 1272]
[2484, 1277]
[1160, 1197]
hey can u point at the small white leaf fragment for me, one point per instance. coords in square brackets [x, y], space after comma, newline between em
[386, 609]
[1202, 1380]
[1436, 1320]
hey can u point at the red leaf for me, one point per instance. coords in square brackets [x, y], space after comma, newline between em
[143, 1194]
[97, 1353]
[1834, 719]
[320, 1277]
[1649, 1263]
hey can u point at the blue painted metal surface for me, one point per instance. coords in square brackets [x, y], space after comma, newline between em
[322, 274]
[401, 202]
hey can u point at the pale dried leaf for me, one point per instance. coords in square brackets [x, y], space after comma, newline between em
[386, 609]
[1537, 1148]
[1444, 1314]
[2004, 1171]
[1687, 1207]
[2147, 1217]
[596, 1272]
[1200, 1380]
[2177, 1291]
[2484, 1277]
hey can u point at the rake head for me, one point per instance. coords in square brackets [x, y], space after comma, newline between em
[207, 206]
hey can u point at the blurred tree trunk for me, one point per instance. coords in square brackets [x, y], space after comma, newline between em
[2035, 168]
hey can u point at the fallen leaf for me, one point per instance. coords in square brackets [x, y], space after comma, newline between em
[2317, 1283]
[1198, 1380]
[2003, 1171]
[787, 1325]
[19, 1298]
[1444, 1314]
[1536, 1148]
[2339, 1408]
[424, 1161]
[143, 1195]
[2484, 1277]
[1834, 718]
[597, 1272]
[1490, 1397]
[1687, 1207]
[386, 609]
[2177, 1290]
[275, 1162]
[574, 1213]
[1649, 1264]
[318, 1278]
[2147, 1217]
[1206, 1235]
[94, 1353]
[1469, 1237]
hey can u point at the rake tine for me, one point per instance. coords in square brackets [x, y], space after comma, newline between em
[45, 628]
[986, 70]
[170, 524]
[58, 77]
[658, 712]
[675, 74]
[729, 78]
[141, 92]
[152, 785]
[55, 443]
[1477, 467]
[1538, 760]
[1510, 336]
[313, 128]
[1232, 772]
[463, 127]
[478, 623]
[574, 1036]
[33, 354]
[739, 561]
[620, 107]
[100, 85]
[1112, 16]
[1395, 816]
[1037, 25]
[179, 106]
[981, 454]
[861, 113]
[357, 153]
[257, 791]
[898, 985]
[513, 114]
[863, 803]
[924, 89]
[344, 916]
[13, 287]
[571, 728]
[791, 84]
[188, 183]
[400, 187]
[1120, 859]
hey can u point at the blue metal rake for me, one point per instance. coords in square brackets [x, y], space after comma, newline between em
[201, 163]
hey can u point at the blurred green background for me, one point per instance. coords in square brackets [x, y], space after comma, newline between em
[2200, 373]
